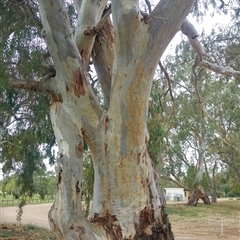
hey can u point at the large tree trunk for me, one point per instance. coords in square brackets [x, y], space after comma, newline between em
[126, 203]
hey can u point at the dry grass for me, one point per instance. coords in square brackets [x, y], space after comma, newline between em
[29, 232]
[214, 221]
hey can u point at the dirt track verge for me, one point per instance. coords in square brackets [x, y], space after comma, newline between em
[210, 229]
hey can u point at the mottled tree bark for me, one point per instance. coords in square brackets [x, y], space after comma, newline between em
[126, 203]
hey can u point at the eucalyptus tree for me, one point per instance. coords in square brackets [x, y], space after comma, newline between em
[210, 113]
[197, 100]
[220, 103]
[125, 52]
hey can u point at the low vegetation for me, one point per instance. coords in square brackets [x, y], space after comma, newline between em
[30, 232]
[222, 209]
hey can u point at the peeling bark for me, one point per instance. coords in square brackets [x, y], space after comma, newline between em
[78, 83]
[126, 202]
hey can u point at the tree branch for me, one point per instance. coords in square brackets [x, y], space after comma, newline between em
[103, 19]
[73, 82]
[163, 23]
[189, 30]
[89, 16]
[45, 84]
[148, 5]
[175, 181]
[232, 61]
[170, 89]
[218, 69]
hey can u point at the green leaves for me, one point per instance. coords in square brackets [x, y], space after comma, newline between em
[206, 113]
[27, 136]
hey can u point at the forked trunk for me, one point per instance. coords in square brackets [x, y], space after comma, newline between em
[126, 203]
[195, 196]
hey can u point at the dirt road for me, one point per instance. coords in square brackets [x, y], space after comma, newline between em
[37, 214]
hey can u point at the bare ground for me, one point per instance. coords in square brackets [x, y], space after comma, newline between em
[35, 214]
[212, 228]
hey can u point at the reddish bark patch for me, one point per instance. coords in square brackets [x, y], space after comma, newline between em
[139, 157]
[78, 79]
[146, 216]
[67, 88]
[105, 148]
[105, 37]
[55, 98]
[79, 149]
[106, 123]
[83, 131]
[110, 224]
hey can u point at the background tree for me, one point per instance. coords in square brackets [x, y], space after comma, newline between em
[45, 184]
[195, 134]
[26, 135]
[9, 187]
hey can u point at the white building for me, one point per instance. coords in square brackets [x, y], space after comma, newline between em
[175, 194]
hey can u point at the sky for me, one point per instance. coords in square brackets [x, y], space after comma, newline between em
[206, 26]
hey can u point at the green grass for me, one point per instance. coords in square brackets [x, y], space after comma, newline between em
[30, 232]
[32, 227]
[4, 233]
[226, 208]
[10, 201]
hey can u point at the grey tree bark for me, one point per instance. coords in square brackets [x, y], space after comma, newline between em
[126, 203]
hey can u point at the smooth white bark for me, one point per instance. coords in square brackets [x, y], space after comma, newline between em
[126, 203]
